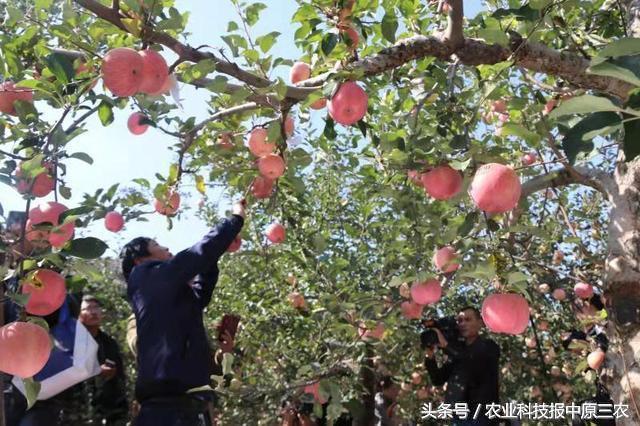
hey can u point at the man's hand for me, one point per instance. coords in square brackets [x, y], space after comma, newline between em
[238, 208]
[442, 342]
[107, 371]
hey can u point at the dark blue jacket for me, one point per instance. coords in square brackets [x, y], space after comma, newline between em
[173, 352]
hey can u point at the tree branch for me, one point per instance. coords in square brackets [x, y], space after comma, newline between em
[589, 176]
[532, 56]
[454, 34]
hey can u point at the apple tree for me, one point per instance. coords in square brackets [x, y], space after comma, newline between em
[508, 138]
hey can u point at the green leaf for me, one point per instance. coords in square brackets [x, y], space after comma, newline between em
[621, 47]
[513, 129]
[227, 363]
[496, 36]
[82, 156]
[252, 13]
[61, 67]
[200, 186]
[631, 144]
[516, 277]
[539, 4]
[267, 41]
[574, 143]
[460, 165]
[32, 389]
[625, 68]
[584, 104]
[65, 192]
[78, 211]
[469, 222]
[389, 27]
[105, 113]
[85, 248]
[203, 68]
[329, 42]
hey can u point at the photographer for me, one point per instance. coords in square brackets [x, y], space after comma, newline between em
[471, 368]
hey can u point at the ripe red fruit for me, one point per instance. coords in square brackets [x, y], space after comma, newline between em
[499, 106]
[595, 359]
[549, 106]
[46, 290]
[259, 145]
[9, 93]
[495, 188]
[154, 72]
[225, 141]
[319, 104]
[113, 221]
[300, 71]
[349, 104]
[49, 212]
[275, 233]
[122, 71]
[583, 290]
[415, 177]
[559, 294]
[371, 333]
[445, 259]
[426, 292]
[297, 300]
[262, 187]
[351, 34]
[41, 186]
[442, 182]
[235, 244]
[169, 204]
[135, 125]
[271, 166]
[314, 390]
[506, 313]
[289, 125]
[411, 310]
[529, 158]
[24, 349]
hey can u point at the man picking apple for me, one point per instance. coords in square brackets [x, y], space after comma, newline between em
[168, 295]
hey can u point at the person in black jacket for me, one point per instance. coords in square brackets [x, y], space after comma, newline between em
[168, 295]
[108, 391]
[471, 370]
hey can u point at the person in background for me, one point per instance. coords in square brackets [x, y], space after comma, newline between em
[107, 392]
[471, 370]
[386, 401]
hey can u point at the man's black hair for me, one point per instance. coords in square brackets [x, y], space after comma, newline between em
[472, 308]
[386, 382]
[134, 249]
[90, 298]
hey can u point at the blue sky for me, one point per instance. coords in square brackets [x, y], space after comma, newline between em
[120, 157]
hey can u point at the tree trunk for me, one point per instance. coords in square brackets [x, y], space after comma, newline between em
[621, 373]
[368, 380]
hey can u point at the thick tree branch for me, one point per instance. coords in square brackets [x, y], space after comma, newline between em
[589, 176]
[595, 178]
[454, 34]
[532, 56]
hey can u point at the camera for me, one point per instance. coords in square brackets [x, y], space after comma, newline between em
[448, 326]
